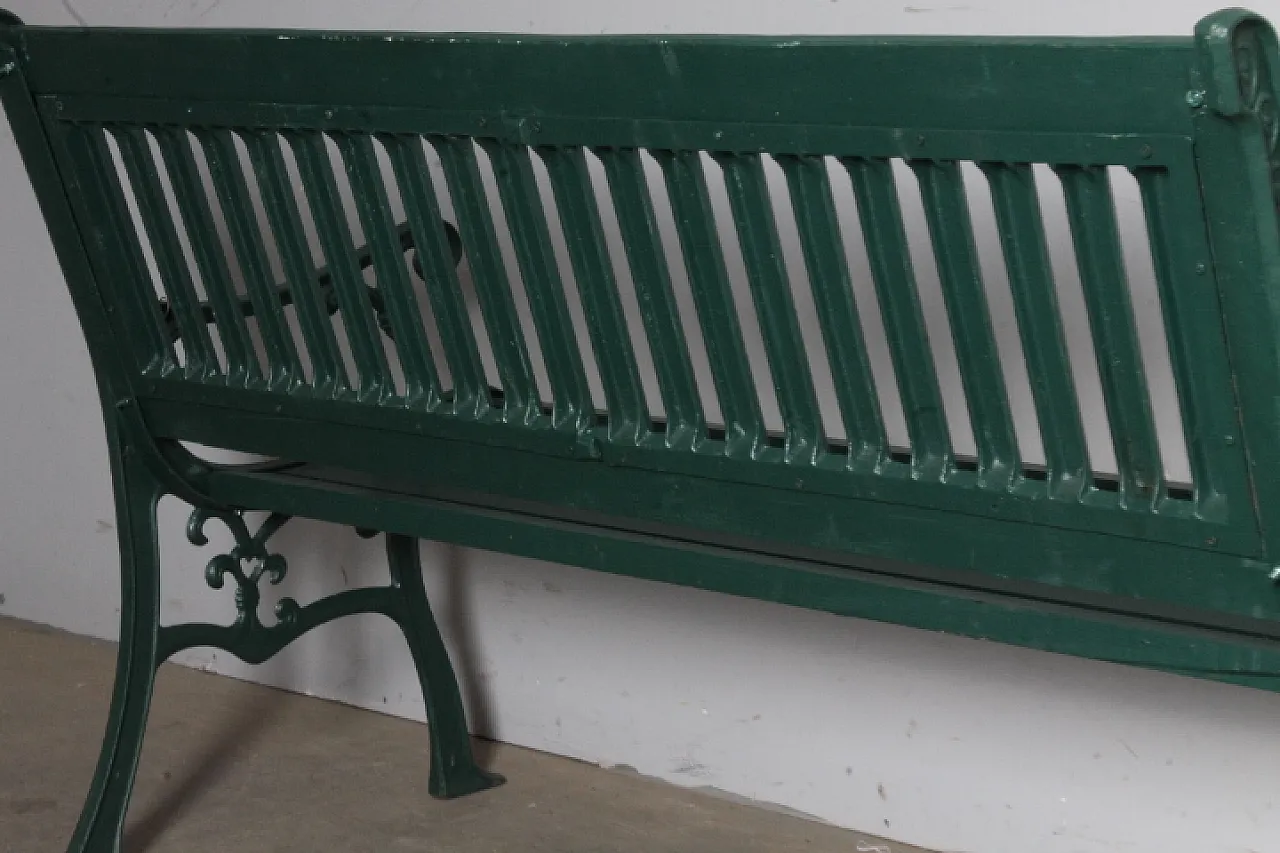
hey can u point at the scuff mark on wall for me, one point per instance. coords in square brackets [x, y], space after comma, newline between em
[74, 13]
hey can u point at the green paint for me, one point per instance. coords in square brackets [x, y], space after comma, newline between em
[369, 431]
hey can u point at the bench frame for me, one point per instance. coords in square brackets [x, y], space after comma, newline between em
[1235, 144]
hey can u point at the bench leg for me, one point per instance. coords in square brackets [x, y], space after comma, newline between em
[144, 644]
[102, 819]
[454, 772]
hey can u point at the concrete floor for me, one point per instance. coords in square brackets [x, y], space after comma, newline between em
[235, 766]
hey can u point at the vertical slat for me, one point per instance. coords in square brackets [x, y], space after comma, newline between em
[185, 302]
[299, 269]
[1106, 291]
[422, 383]
[119, 248]
[828, 269]
[283, 366]
[771, 291]
[580, 217]
[374, 375]
[189, 193]
[951, 230]
[431, 247]
[881, 216]
[1175, 227]
[1035, 304]
[713, 298]
[479, 241]
[686, 423]
[571, 406]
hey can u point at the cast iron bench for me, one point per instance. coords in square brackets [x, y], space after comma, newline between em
[143, 143]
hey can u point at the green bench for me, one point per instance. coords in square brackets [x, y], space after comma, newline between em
[164, 165]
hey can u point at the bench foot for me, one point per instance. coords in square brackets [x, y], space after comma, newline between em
[454, 772]
[102, 820]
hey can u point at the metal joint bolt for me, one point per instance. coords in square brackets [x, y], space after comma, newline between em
[7, 69]
[1274, 574]
[1195, 98]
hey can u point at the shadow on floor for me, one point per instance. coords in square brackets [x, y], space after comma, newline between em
[211, 766]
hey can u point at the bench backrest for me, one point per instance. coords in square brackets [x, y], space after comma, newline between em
[206, 126]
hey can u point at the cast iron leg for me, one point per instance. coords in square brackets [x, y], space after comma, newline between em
[143, 645]
[454, 772]
[102, 820]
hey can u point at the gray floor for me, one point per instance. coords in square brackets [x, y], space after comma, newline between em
[234, 766]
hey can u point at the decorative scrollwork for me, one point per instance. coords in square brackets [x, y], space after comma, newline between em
[1252, 50]
[247, 563]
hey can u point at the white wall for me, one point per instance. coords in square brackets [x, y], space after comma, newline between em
[947, 743]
